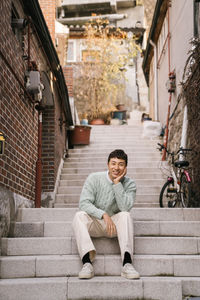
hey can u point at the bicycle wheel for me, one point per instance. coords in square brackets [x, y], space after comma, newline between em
[185, 191]
[168, 195]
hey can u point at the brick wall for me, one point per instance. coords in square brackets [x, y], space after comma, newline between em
[48, 133]
[49, 11]
[18, 118]
[68, 73]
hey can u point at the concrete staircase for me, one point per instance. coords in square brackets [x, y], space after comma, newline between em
[40, 260]
[142, 165]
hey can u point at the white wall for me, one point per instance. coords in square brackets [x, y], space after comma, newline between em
[181, 28]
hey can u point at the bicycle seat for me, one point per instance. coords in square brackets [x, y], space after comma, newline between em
[181, 163]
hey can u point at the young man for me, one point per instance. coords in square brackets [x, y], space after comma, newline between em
[105, 202]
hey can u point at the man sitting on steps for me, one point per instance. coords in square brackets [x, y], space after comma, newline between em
[105, 202]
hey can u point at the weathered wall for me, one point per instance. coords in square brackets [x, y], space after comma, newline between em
[181, 34]
[49, 10]
[18, 116]
[19, 120]
[192, 96]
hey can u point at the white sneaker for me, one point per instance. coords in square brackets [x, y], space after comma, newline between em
[129, 272]
[87, 271]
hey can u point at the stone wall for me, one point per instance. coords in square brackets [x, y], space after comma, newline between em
[190, 97]
[9, 204]
[175, 125]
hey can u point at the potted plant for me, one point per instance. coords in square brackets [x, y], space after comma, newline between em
[79, 135]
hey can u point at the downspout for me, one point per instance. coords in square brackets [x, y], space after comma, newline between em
[155, 81]
[170, 96]
[38, 182]
[184, 131]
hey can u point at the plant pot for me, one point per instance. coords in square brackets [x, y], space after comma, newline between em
[97, 122]
[80, 135]
[121, 115]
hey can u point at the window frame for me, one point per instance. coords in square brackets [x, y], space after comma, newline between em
[74, 59]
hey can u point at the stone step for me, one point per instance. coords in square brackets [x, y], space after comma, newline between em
[101, 165]
[74, 198]
[127, 149]
[110, 141]
[145, 182]
[138, 214]
[77, 190]
[92, 155]
[141, 228]
[110, 287]
[146, 204]
[131, 161]
[104, 265]
[75, 204]
[137, 176]
[135, 170]
[67, 245]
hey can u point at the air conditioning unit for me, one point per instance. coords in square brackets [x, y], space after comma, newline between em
[33, 84]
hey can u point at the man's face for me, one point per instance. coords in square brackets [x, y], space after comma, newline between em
[116, 167]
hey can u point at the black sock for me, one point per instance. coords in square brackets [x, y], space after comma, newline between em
[86, 258]
[127, 258]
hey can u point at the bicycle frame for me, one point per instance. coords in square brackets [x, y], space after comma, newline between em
[174, 177]
[187, 175]
[177, 189]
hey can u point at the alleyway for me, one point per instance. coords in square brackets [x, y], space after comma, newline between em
[142, 166]
[41, 260]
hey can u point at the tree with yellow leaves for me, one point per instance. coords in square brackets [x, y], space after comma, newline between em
[100, 78]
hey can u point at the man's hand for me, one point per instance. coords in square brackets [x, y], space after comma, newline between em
[117, 180]
[110, 226]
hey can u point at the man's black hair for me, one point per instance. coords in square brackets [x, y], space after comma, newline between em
[120, 154]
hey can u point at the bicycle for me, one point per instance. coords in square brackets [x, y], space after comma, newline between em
[176, 191]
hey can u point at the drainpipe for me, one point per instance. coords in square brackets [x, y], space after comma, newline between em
[184, 131]
[38, 181]
[170, 96]
[155, 81]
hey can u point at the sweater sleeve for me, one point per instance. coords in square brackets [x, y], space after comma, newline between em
[125, 195]
[87, 199]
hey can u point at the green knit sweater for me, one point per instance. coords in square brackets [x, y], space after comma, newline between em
[100, 195]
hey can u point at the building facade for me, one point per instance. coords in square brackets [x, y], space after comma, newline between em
[167, 51]
[126, 15]
[171, 70]
[32, 93]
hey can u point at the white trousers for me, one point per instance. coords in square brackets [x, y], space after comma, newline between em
[85, 227]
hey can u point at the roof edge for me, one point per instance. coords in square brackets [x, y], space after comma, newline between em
[33, 8]
[151, 37]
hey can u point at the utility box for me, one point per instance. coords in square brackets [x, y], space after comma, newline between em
[33, 82]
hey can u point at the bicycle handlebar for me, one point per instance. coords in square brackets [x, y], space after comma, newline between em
[162, 147]
[172, 153]
[184, 150]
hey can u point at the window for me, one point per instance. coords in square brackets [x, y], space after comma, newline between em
[71, 51]
[196, 18]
